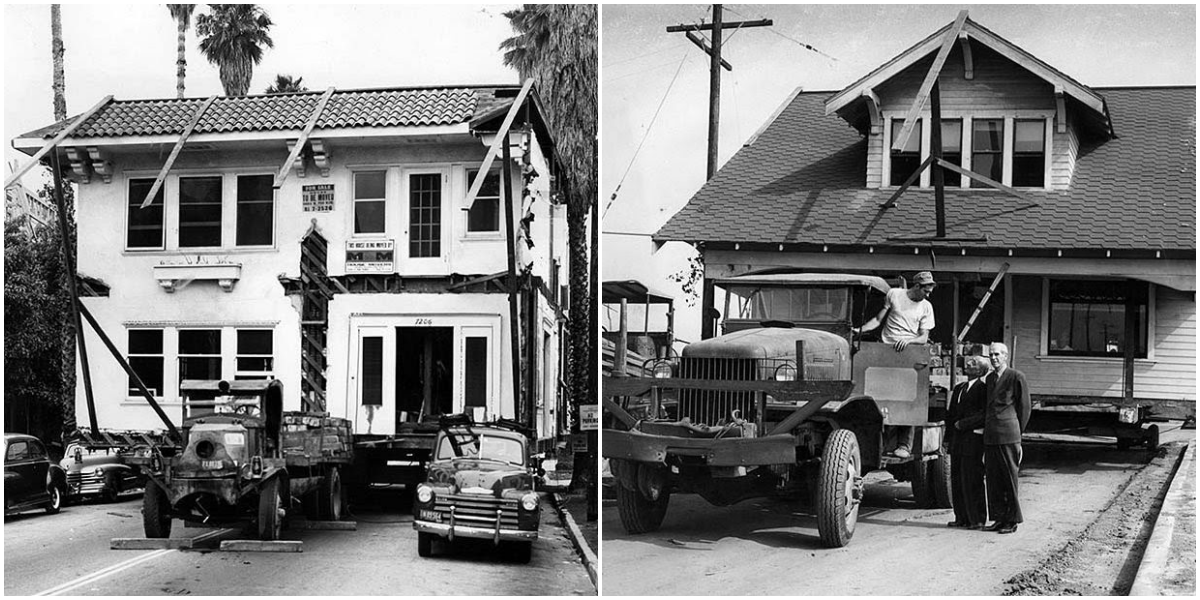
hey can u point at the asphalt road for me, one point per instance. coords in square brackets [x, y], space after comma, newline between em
[771, 547]
[68, 554]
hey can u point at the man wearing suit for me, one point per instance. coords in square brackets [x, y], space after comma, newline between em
[964, 417]
[1007, 413]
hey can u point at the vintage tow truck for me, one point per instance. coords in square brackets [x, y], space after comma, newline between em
[785, 400]
[243, 460]
[481, 484]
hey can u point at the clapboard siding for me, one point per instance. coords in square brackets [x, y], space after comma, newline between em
[1170, 375]
[875, 165]
[998, 84]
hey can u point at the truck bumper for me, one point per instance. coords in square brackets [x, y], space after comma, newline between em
[450, 532]
[724, 452]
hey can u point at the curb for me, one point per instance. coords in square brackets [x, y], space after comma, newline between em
[1151, 573]
[589, 558]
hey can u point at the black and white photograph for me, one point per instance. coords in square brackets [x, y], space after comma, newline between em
[300, 300]
[898, 300]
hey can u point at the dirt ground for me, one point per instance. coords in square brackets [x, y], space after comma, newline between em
[1103, 560]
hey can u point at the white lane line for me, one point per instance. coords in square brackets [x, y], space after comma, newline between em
[117, 568]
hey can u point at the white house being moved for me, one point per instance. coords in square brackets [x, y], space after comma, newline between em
[363, 274]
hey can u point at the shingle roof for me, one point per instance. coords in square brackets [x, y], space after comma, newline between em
[274, 112]
[803, 182]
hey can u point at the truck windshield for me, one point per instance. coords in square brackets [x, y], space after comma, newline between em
[772, 303]
[482, 447]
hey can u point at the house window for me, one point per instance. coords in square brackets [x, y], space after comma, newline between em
[199, 212]
[952, 150]
[475, 372]
[987, 149]
[905, 161]
[255, 356]
[1029, 153]
[146, 359]
[255, 210]
[425, 215]
[484, 215]
[199, 354]
[1087, 318]
[370, 201]
[145, 226]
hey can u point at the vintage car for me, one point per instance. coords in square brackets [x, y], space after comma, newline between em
[99, 472]
[480, 484]
[31, 479]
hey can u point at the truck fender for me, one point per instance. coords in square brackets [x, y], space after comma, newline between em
[861, 414]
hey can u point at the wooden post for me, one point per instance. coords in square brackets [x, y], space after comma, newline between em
[953, 343]
[708, 324]
[69, 260]
[935, 152]
[619, 353]
[1131, 336]
[514, 308]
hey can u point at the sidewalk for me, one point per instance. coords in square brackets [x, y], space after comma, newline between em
[1169, 564]
[573, 509]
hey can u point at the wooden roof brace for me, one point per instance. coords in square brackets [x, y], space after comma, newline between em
[166, 168]
[62, 135]
[308, 127]
[910, 119]
[501, 138]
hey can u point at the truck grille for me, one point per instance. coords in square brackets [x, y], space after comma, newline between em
[479, 511]
[711, 407]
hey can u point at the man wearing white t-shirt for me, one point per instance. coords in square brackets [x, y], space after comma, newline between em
[909, 319]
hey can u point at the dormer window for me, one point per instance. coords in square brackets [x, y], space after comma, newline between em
[987, 149]
[1029, 153]
[952, 136]
[906, 161]
[1008, 149]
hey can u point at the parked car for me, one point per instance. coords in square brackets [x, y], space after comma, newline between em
[101, 472]
[31, 479]
[480, 484]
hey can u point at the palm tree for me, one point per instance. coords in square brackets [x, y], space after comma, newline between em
[182, 13]
[234, 37]
[57, 51]
[556, 46]
[285, 83]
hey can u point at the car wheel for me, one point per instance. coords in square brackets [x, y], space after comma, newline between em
[112, 487]
[270, 511]
[424, 544]
[156, 512]
[56, 499]
[839, 489]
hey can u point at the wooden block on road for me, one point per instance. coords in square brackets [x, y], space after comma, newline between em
[327, 525]
[261, 546]
[151, 543]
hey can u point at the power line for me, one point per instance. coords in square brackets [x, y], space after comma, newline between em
[786, 37]
[646, 135]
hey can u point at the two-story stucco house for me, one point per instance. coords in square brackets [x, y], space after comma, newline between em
[359, 274]
[1098, 221]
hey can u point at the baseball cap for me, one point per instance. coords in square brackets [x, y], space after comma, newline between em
[923, 278]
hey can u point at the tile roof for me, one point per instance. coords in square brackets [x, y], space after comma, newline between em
[802, 181]
[404, 107]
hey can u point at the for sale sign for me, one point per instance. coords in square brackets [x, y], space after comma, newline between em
[317, 198]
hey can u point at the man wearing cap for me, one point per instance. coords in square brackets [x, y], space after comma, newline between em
[909, 319]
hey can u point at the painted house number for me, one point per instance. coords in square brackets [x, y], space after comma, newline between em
[421, 321]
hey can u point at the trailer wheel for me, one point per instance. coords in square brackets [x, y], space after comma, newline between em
[270, 511]
[1152, 438]
[156, 512]
[940, 480]
[839, 489]
[424, 544]
[330, 495]
[638, 513]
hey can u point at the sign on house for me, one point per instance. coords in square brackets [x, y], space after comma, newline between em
[375, 256]
[318, 198]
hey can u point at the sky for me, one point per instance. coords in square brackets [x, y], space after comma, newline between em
[646, 71]
[129, 51]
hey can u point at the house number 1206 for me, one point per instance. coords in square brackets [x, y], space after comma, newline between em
[424, 321]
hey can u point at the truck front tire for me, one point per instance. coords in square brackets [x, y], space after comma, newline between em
[156, 512]
[270, 511]
[839, 489]
[638, 513]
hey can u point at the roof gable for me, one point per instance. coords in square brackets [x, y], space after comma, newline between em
[858, 91]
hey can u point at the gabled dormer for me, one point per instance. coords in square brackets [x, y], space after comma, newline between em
[1005, 114]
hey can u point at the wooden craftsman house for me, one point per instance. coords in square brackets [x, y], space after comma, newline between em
[343, 242]
[1083, 199]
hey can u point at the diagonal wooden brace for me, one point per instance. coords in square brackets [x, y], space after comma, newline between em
[908, 182]
[910, 119]
[981, 179]
[501, 138]
[187, 131]
[62, 135]
[982, 302]
[308, 127]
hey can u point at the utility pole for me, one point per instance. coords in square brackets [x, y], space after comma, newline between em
[714, 86]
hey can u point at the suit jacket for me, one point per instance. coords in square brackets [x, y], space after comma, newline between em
[966, 409]
[1008, 407]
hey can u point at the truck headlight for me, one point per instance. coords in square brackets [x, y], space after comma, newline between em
[662, 370]
[424, 493]
[785, 373]
[529, 501]
[98, 471]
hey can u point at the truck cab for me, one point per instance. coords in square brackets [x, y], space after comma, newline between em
[785, 399]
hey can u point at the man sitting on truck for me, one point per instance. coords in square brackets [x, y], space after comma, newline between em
[909, 319]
